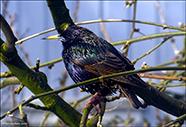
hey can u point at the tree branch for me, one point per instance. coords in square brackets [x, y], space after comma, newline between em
[162, 77]
[10, 38]
[158, 35]
[31, 105]
[172, 85]
[179, 121]
[136, 21]
[181, 60]
[9, 81]
[60, 15]
[133, 26]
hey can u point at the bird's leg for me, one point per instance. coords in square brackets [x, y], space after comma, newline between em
[95, 96]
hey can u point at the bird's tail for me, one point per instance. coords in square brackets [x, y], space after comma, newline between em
[128, 92]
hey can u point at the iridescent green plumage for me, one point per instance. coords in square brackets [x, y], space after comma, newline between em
[88, 56]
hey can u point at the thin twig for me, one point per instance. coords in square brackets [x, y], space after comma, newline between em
[150, 51]
[37, 65]
[133, 18]
[18, 90]
[133, 26]
[162, 77]
[172, 85]
[75, 103]
[34, 35]
[180, 120]
[103, 20]
[38, 107]
[181, 60]
[8, 74]
[128, 20]
[105, 32]
[48, 63]
[117, 106]
[46, 115]
[76, 11]
[128, 4]
[164, 22]
[23, 115]
[84, 117]
[165, 82]
[13, 99]
[158, 35]
[9, 81]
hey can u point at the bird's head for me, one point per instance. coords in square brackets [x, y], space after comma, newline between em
[72, 34]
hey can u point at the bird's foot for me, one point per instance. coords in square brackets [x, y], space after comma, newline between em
[94, 98]
[91, 101]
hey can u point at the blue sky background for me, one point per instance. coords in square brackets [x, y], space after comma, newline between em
[34, 16]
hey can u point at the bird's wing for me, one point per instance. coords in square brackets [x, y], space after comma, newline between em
[106, 63]
[90, 62]
[98, 60]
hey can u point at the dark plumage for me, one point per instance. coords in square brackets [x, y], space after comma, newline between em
[87, 56]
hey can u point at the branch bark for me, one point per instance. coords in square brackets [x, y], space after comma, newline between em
[60, 15]
[11, 39]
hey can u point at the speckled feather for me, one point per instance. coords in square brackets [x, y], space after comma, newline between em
[87, 56]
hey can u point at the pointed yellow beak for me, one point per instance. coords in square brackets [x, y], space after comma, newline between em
[55, 37]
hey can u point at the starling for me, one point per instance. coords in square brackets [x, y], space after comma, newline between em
[88, 56]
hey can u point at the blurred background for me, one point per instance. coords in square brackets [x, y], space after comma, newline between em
[30, 17]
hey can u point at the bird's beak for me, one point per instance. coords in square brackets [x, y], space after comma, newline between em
[53, 37]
